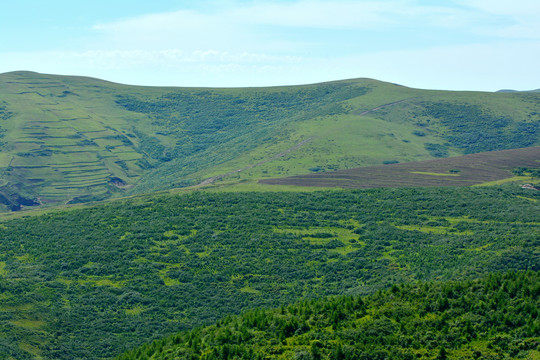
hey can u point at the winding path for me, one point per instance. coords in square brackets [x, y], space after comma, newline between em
[383, 106]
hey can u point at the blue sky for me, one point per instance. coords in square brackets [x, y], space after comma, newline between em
[455, 44]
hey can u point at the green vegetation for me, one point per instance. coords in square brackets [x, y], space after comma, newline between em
[525, 171]
[97, 281]
[436, 150]
[471, 122]
[475, 129]
[66, 139]
[496, 317]
[213, 126]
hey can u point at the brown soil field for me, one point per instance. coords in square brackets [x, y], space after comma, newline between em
[464, 170]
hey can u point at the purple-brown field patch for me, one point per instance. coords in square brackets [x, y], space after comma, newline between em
[464, 170]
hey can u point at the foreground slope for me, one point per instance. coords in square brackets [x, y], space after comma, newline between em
[496, 317]
[96, 282]
[73, 139]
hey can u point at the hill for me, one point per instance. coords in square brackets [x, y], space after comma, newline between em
[467, 170]
[492, 318]
[73, 139]
[98, 281]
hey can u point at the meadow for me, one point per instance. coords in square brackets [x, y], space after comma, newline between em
[84, 280]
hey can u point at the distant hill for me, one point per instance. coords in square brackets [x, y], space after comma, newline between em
[73, 139]
[511, 91]
[467, 170]
[492, 318]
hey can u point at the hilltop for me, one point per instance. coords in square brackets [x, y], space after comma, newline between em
[73, 139]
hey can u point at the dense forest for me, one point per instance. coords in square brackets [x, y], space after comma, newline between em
[98, 281]
[496, 317]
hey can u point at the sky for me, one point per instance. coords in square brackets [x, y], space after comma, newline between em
[484, 45]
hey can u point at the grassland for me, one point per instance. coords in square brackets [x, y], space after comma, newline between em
[69, 139]
[83, 281]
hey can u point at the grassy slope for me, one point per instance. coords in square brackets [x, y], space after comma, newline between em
[64, 138]
[493, 318]
[97, 281]
[388, 134]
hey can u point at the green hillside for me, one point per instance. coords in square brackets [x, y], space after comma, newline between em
[73, 139]
[99, 281]
[496, 317]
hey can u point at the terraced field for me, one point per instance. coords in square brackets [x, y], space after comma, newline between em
[58, 144]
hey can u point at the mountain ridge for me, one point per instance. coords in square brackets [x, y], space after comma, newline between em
[70, 139]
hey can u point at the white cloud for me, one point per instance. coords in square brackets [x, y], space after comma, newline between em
[188, 30]
[317, 14]
[516, 19]
[505, 7]
[158, 67]
[274, 26]
[462, 67]
[260, 43]
[293, 28]
[321, 14]
[174, 56]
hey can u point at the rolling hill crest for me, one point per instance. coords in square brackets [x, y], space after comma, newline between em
[73, 139]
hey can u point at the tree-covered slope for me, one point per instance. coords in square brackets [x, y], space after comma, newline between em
[96, 282]
[497, 317]
[73, 139]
